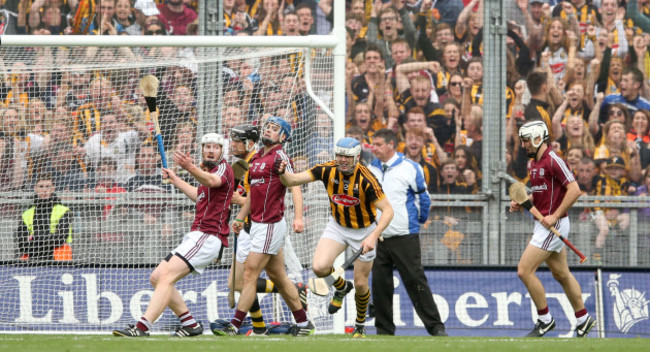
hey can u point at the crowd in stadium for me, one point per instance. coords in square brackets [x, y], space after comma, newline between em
[414, 66]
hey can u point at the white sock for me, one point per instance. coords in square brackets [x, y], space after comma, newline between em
[303, 324]
[582, 319]
[545, 318]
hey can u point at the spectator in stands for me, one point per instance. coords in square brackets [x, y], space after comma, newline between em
[154, 26]
[37, 116]
[573, 156]
[450, 65]
[290, 24]
[534, 22]
[269, 16]
[76, 84]
[414, 144]
[111, 142]
[88, 116]
[362, 118]
[177, 16]
[123, 13]
[444, 36]
[45, 232]
[143, 10]
[67, 173]
[450, 180]
[468, 24]
[539, 108]
[575, 134]
[238, 20]
[639, 133]
[613, 184]
[468, 167]
[104, 178]
[20, 87]
[586, 175]
[454, 88]
[615, 143]
[383, 27]
[148, 179]
[612, 21]
[574, 104]
[431, 150]
[374, 75]
[630, 96]
[305, 19]
[556, 44]
[27, 147]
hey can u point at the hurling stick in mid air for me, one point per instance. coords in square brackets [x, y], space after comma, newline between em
[149, 88]
[518, 194]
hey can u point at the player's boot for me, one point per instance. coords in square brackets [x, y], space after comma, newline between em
[302, 293]
[225, 330]
[337, 300]
[186, 331]
[542, 328]
[359, 332]
[304, 330]
[130, 331]
[583, 329]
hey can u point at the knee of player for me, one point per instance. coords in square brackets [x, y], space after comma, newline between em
[321, 270]
[561, 276]
[523, 273]
[361, 285]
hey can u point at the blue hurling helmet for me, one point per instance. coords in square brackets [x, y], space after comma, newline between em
[285, 127]
[348, 146]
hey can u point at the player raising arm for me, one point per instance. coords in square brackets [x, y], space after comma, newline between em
[554, 192]
[265, 204]
[355, 195]
[201, 246]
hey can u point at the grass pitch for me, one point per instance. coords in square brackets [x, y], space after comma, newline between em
[326, 343]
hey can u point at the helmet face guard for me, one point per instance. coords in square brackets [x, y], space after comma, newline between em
[532, 131]
[245, 133]
[285, 129]
[348, 147]
[212, 138]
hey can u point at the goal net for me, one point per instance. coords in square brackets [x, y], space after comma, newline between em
[75, 115]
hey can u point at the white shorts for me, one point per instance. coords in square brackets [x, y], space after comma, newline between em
[243, 246]
[199, 250]
[350, 237]
[545, 239]
[268, 238]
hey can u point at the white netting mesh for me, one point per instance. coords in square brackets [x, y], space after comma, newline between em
[77, 115]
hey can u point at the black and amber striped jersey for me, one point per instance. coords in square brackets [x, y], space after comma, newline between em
[607, 186]
[242, 187]
[352, 198]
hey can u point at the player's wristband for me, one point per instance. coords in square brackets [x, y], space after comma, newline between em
[239, 220]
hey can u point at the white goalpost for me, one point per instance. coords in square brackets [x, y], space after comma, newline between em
[72, 112]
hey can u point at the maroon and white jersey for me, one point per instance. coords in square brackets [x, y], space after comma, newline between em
[213, 204]
[548, 179]
[266, 190]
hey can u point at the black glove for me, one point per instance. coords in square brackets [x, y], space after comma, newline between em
[276, 167]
